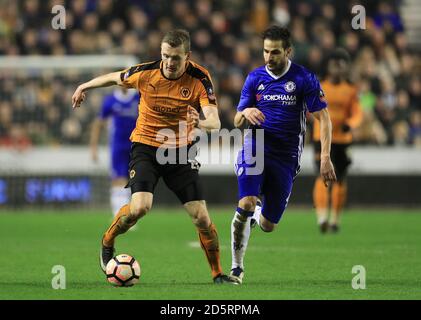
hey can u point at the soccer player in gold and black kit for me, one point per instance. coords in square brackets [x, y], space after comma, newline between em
[345, 114]
[173, 91]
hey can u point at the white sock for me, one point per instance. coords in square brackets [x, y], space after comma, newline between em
[321, 216]
[119, 197]
[257, 213]
[240, 234]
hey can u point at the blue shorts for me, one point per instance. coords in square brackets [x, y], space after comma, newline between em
[274, 184]
[120, 158]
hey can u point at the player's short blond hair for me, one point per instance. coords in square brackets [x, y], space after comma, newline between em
[176, 38]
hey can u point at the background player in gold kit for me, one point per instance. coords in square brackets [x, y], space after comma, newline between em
[345, 114]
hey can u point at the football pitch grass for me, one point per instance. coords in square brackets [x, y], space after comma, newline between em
[294, 262]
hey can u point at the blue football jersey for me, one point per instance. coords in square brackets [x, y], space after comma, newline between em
[284, 100]
[123, 108]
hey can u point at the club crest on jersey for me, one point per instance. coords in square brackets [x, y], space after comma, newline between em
[261, 87]
[290, 86]
[185, 92]
[132, 174]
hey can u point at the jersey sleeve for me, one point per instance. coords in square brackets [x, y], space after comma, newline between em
[106, 108]
[130, 77]
[248, 97]
[207, 93]
[314, 96]
[355, 116]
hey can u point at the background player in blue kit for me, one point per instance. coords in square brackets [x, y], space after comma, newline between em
[121, 106]
[275, 98]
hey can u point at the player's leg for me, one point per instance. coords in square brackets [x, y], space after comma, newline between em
[128, 215]
[240, 235]
[320, 193]
[208, 237]
[339, 193]
[341, 161]
[277, 188]
[126, 218]
[248, 190]
[142, 181]
[183, 180]
[119, 195]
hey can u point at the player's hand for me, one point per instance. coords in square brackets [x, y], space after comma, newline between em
[78, 97]
[192, 117]
[327, 172]
[254, 115]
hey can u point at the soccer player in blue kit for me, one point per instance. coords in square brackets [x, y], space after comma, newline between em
[121, 106]
[274, 99]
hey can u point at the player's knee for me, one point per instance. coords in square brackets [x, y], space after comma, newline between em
[198, 213]
[138, 210]
[266, 225]
[248, 203]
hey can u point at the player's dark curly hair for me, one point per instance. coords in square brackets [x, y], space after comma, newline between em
[339, 54]
[177, 38]
[278, 33]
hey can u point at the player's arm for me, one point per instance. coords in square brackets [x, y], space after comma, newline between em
[211, 121]
[96, 128]
[327, 171]
[246, 109]
[253, 115]
[98, 82]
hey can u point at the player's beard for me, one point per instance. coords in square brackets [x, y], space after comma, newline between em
[277, 68]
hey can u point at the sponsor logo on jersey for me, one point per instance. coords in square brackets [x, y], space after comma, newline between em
[284, 99]
[261, 87]
[163, 109]
[132, 174]
[279, 97]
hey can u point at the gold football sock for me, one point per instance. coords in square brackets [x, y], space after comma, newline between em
[339, 190]
[121, 223]
[320, 199]
[210, 244]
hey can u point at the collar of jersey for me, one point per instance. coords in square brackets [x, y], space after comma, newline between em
[162, 72]
[274, 76]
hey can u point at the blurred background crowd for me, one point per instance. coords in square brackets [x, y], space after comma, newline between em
[35, 108]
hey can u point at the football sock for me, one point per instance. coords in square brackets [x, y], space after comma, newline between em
[339, 190]
[119, 196]
[121, 223]
[209, 242]
[321, 200]
[240, 234]
[257, 213]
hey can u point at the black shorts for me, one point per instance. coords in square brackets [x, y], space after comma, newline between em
[181, 175]
[339, 156]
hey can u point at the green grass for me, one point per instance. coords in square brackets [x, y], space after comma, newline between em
[294, 262]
